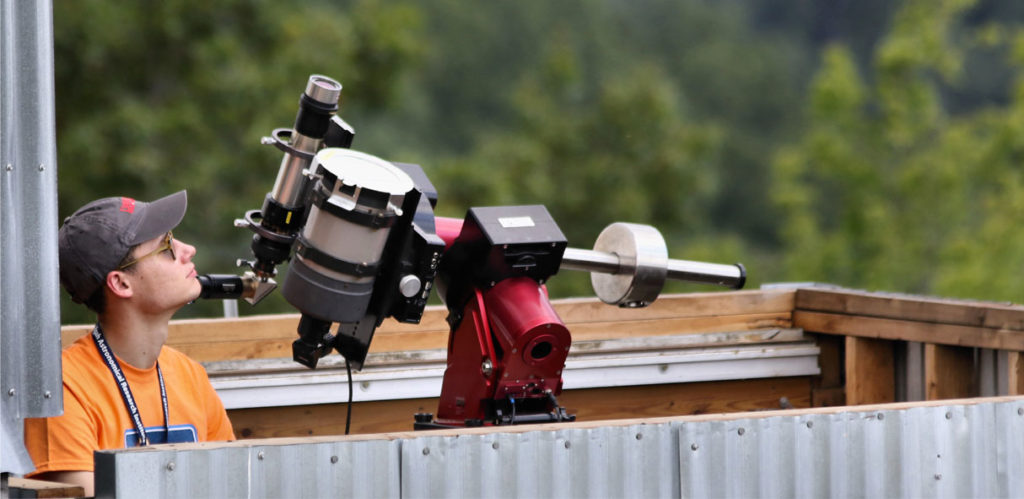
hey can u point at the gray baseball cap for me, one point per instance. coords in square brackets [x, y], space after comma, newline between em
[95, 239]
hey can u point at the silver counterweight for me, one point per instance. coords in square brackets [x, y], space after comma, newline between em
[629, 265]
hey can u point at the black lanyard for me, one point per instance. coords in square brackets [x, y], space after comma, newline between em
[126, 391]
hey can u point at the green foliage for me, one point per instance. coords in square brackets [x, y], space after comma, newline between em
[875, 147]
[887, 189]
[604, 111]
[628, 156]
[153, 98]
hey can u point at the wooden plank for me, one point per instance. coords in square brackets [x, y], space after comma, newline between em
[913, 308]
[893, 329]
[237, 350]
[571, 311]
[949, 372]
[588, 405]
[830, 360]
[389, 341]
[328, 419]
[270, 336]
[583, 310]
[870, 371]
[185, 331]
[687, 398]
[827, 388]
[828, 397]
[684, 325]
[28, 487]
[1016, 374]
[68, 334]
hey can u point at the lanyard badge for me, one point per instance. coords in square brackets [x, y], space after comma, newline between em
[126, 391]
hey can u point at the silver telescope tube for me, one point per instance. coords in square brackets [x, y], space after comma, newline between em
[318, 102]
[629, 265]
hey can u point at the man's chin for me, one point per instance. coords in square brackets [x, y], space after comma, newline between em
[198, 290]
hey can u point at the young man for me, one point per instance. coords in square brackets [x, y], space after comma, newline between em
[119, 258]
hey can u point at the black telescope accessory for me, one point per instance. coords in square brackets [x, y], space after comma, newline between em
[315, 341]
[273, 236]
[629, 266]
[523, 410]
[339, 133]
[247, 286]
[355, 204]
[220, 286]
[317, 105]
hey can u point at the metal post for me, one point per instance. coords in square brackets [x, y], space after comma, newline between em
[30, 373]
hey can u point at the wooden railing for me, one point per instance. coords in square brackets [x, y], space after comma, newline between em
[900, 347]
[271, 336]
[874, 348]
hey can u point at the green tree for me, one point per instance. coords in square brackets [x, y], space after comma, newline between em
[887, 189]
[153, 98]
[628, 156]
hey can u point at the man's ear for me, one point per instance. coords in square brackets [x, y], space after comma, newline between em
[119, 283]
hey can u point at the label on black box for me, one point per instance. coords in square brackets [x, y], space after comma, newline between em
[515, 222]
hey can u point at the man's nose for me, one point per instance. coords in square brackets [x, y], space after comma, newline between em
[186, 250]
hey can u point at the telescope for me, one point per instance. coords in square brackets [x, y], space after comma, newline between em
[365, 245]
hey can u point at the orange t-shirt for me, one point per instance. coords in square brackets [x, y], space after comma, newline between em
[95, 416]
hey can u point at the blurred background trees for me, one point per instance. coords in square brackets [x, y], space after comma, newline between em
[868, 144]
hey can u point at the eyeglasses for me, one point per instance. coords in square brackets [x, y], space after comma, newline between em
[168, 246]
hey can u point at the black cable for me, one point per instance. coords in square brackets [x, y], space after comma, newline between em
[348, 419]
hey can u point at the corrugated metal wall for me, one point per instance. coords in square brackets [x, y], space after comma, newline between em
[969, 449]
[30, 383]
[320, 469]
[972, 450]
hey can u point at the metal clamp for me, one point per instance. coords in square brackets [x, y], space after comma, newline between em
[252, 222]
[280, 137]
[305, 250]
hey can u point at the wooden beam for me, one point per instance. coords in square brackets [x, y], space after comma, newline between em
[999, 316]
[830, 360]
[949, 372]
[28, 487]
[827, 388]
[588, 405]
[870, 371]
[218, 348]
[687, 398]
[1016, 374]
[894, 329]
[679, 325]
[717, 304]
[271, 336]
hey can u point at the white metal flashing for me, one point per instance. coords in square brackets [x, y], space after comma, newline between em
[592, 364]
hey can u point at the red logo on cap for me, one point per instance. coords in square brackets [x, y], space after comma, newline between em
[128, 205]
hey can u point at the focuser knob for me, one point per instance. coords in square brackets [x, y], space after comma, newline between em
[409, 285]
